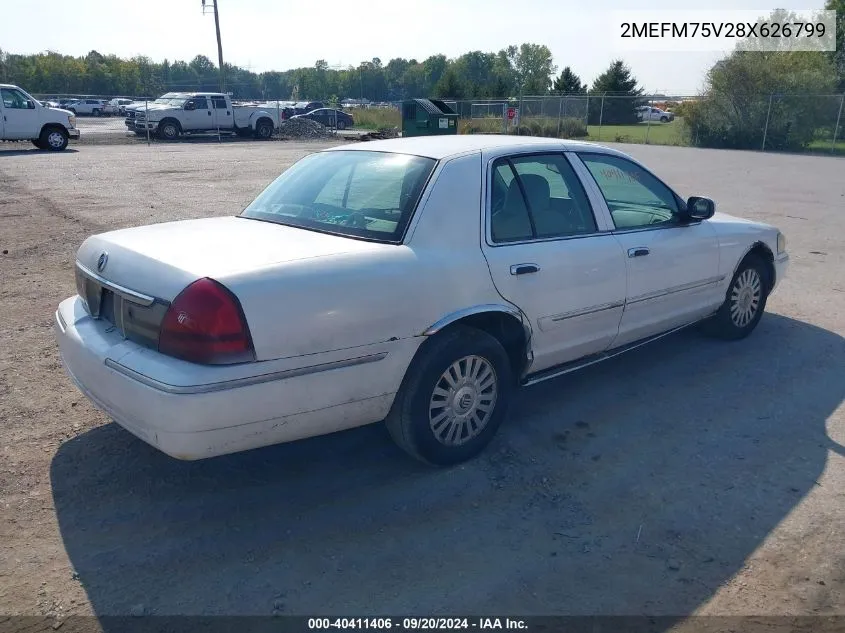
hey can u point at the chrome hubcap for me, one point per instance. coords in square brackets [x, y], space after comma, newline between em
[55, 139]
[463, 400]
[745, 297]
[170, 130]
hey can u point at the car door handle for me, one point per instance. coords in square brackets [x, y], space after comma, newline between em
[524, 269]
[639, 251]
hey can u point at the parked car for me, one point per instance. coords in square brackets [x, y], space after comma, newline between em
[648, 113]
[420, 281]
[329, 117]
[23, 117]
[117, 106]
[205, 112]
[130, 109]
[304, 107]
[90, 107]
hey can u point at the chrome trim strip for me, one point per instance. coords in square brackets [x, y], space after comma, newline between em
[242, 382]
[465, 312]
[602, 357]
[126, 293]
[586, 311]
[61, 321]
[712, 281]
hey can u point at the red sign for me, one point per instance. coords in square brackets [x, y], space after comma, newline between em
[511, 113]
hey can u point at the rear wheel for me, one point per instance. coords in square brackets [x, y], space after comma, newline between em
[744, 303]
[54, 138]
[453, 398]
[264, 129]
[96, 112]
[341, 124]
[664, 119]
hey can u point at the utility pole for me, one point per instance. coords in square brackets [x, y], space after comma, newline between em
[219, 43]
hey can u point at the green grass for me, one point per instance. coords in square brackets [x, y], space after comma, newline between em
[375, 118]
[655, 134]
[824, 147]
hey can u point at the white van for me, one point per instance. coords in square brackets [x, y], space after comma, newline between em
[23, 118]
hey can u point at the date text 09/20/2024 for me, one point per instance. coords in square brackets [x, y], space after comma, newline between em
[416, 624]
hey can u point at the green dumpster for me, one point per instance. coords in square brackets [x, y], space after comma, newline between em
[427, 117]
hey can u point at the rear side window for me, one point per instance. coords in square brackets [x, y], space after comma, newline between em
[219, 103]
[354, 193]
[535, 197]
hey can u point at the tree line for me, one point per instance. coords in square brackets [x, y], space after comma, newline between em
[526, 69]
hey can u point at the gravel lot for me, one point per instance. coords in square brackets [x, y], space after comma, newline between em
[687, 477]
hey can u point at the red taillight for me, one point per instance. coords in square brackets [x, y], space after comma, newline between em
[205, 324]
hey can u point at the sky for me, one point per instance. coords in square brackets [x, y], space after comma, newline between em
[280, 34]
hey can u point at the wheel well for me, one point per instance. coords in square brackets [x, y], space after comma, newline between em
[764, 252]
[170, 118]
[505, 328]
[52, 126]
[263, 120]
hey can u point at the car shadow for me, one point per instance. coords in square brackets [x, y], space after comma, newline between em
[638, 486]
[34, 150]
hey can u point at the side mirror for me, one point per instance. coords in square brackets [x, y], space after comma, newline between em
[699, 208]
[190, 105]
[30, 105]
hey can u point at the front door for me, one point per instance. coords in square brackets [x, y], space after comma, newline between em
[199, 117]
[20, 115]
[673, 268]
[548, 255]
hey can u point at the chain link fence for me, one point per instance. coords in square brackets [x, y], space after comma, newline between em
[767, 122]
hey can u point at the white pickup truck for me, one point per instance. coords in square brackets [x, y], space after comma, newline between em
[22, 117]
[198, 112]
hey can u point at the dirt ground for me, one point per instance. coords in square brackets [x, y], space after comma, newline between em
[689, 477]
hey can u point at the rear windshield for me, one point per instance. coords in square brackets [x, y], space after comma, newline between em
[364, 194]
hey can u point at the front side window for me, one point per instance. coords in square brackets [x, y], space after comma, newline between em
[363, 194]
[635, 197]
[535, 197]
[14, 99]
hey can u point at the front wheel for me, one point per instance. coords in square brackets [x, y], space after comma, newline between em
[168, 130]
[744, 303]
[453, 398]
[55, 139]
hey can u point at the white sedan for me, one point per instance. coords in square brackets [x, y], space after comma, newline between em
[415, 281]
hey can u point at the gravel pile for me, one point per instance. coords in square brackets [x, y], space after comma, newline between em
[303, 128]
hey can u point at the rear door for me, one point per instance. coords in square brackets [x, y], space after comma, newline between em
[552, 257]
[223, 115]
[20, 115]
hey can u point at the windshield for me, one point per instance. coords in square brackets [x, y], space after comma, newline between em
[363, 194]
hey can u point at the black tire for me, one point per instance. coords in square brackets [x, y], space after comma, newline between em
[54, 139]
[95, 112]
[412, 419]
[750, 283]
[264, 130]
[168, 130]
[664, 119]
[341, 124]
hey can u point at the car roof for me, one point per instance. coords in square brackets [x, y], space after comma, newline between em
[439, 147]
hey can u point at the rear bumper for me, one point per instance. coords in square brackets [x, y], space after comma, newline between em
[193, 420]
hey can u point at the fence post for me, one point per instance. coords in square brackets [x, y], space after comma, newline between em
[768, 114]
[836, 129]
[519, 114]
[601, 115]
[559, 115]
[278, 117]
[147, 119]
[648, 125]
